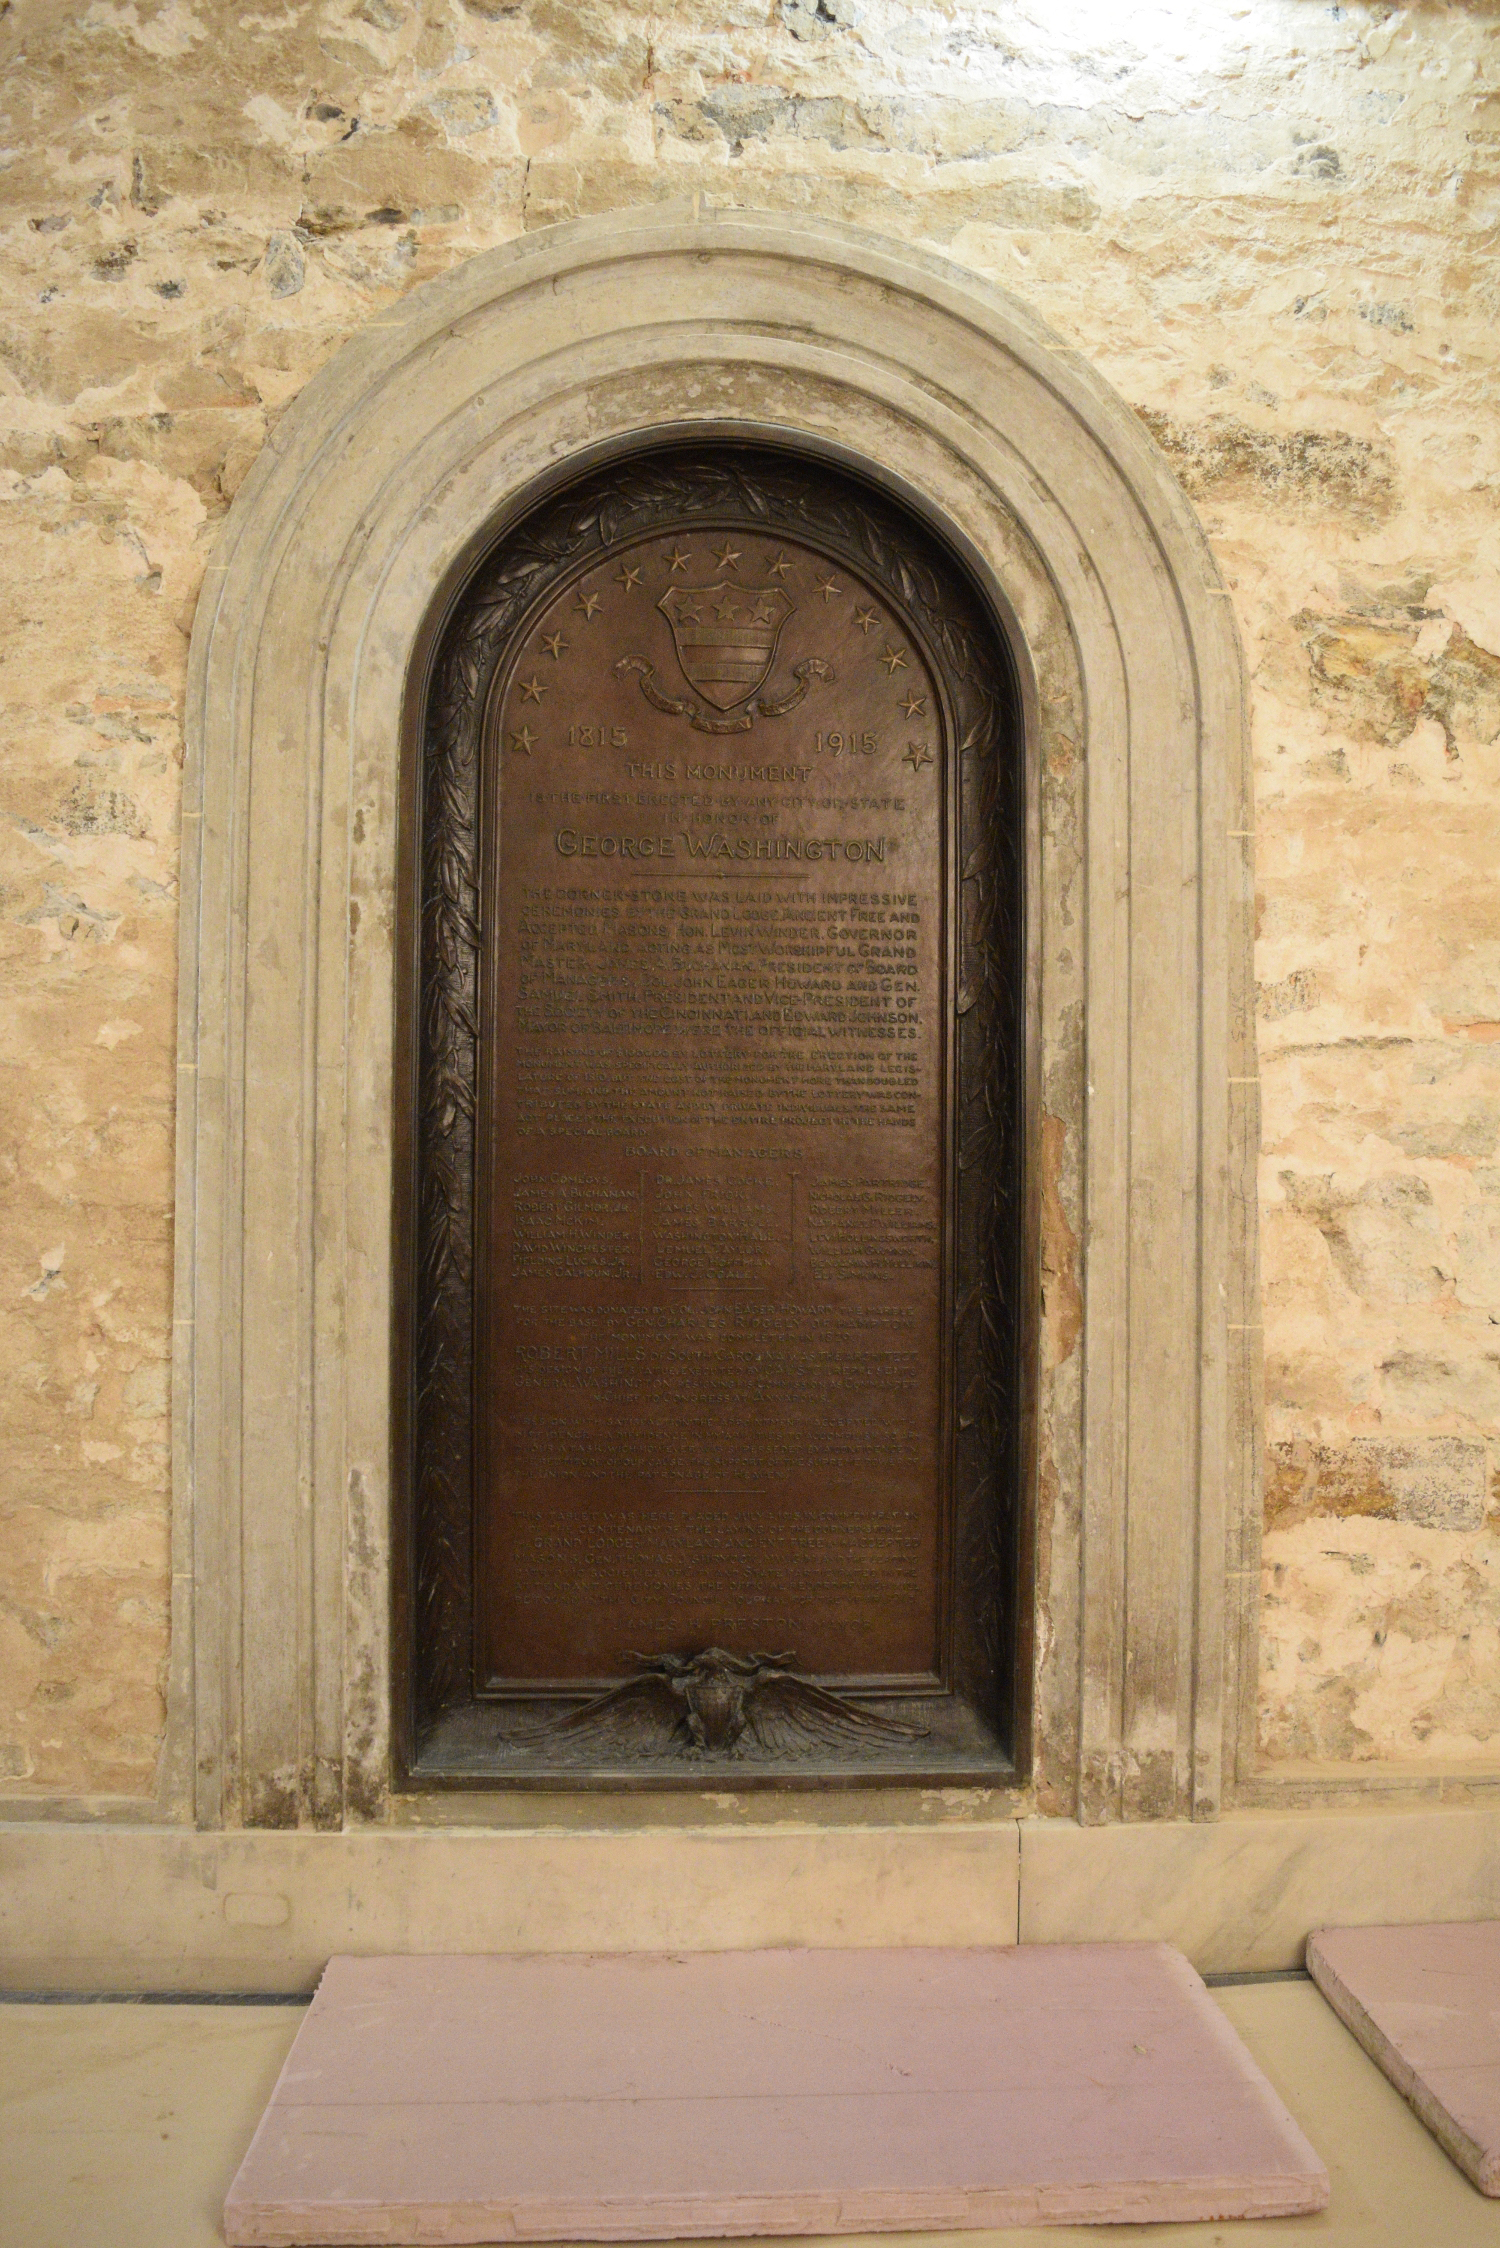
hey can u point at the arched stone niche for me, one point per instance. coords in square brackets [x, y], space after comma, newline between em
[380, 486]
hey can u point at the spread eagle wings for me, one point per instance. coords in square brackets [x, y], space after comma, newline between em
[787, 1715]
[784, 1714]
[641, 1718]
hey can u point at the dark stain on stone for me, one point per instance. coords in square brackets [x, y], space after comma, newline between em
[1436, 1481]
[815, 19]
[1367, 675]
[1463, 691]
[1321, 1727]
[140, 190]
[273, 1802]
[946, 131]
[1150, 1788]
[1468, 1134]
[1386, 316]
[1384, 1240]
[100, 811]
[324, 1790]
[315, 221]
[1302, 468]
[743, 113]
[115, 263]
[1320, 163]
[365, 1794]
[1296, 994]
[47, 1630]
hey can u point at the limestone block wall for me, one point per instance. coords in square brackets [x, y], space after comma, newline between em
[1271, 228]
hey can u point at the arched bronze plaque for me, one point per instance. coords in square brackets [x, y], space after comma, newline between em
[713, 1327]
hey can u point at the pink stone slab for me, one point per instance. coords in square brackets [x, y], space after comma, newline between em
[1425, 2004]
[670, 2097]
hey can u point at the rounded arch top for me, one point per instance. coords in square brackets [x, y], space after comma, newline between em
[378, 488]
[637, 298]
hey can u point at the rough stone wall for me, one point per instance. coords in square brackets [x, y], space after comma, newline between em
[1270, 226]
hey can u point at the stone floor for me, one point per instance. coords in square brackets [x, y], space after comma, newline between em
[123, 2124]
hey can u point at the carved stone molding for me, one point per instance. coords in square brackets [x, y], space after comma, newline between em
[379, 488]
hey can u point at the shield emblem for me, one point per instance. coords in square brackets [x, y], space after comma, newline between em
[725, 636]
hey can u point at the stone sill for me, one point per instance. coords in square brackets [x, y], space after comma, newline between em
[166, 1909]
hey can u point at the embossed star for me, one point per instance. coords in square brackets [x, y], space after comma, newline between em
[865, 619]
[627, 577]
[679, 558]
[727, 556]
[828, 587]
[917, 755]
[764, 610]
[725, 607]
[554, 644]
[532, 690]
[688, 610]
[893, 660]
[524, 740]
[588, 603]
[915, 706]
[778, 568]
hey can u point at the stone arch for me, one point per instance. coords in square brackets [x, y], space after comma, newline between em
[376, 491]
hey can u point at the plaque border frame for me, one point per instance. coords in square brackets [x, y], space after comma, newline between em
[544, 538]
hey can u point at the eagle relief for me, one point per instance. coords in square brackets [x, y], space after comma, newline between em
[726, 636]
[719, 1703]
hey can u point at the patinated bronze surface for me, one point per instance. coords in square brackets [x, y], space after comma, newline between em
[717, 1162]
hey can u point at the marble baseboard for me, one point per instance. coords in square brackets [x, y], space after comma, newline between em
[1243, 1892]
[136, 1909]
[152, 1908]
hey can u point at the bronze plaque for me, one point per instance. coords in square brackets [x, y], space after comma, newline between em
[711, 1323]
[713, 1091]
